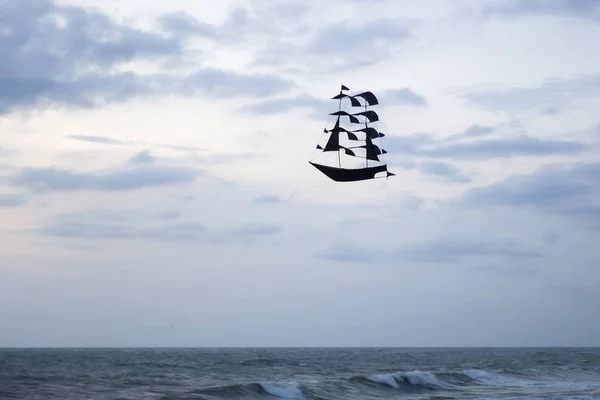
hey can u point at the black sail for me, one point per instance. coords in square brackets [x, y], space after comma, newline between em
[360, 141]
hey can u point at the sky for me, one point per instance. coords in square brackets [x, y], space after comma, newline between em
[155, 188]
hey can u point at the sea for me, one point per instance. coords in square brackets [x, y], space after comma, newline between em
[301, 373]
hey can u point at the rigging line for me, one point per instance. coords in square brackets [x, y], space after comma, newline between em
[231, 261]
[312, 156]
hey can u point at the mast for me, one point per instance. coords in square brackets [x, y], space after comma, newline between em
[371, 150]
[367, 135]
[340, 109]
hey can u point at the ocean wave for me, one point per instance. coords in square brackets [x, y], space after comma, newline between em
[428, 380]
[496, 379]
[289, 391]
[269, 362]
[406, 380]
[258, 390]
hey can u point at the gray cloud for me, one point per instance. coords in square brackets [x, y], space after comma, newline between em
[587, 9]
[279, 105]
[110, 141]
[440, 250]
[506, 269]
[474, 131]
[443, 171]
[254, 229]
[97, 139]
[452, 250]
[240, 23]
[422, 144]
[4, 152]
[551, 111]
[403, 96]
[339, 42]
[506, 147]
[168, 215]
[267, 199]
[322, 107]
[102, 224]
[544, 96]
[46, 62]
[577, 292]
[346, 253]
[220, 83]
[567, 190]
[335, 46]
[285, 9]
[58, 179]
[183, 24]
[143, 157]
[551, 238]
[12, 200]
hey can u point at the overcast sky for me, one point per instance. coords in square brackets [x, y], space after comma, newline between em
[155, 187]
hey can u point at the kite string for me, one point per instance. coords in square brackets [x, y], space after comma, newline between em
[251, 240]
[232, 258]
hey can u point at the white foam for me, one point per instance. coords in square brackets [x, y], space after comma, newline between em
[492, 378]
[420, 378]
[386, 379]
[289, 391]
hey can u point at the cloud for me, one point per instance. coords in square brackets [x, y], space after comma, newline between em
[334, 47]
[440, 250]
[239, 25]
[346, 253]
[185, 24]
[104, 224]
[551, 238]
[559, 189]
[474, 131]
[506, 147]
[168, 214]
[12, 200]
[443, 171]
[221, 83]
[453, 250]
[97, 139]
[321, 107]
[425, 145]
[285, 10]
[111, 141]
[119, 179]
[143, 157]
[403, 96]
[267, 199]
[279, 105]
[453, 231]
[551, 111]
[254, 229]
[506, 269]
[580, 293]
[586, 9]
[66, 55]
[338, 43]
[544, 96]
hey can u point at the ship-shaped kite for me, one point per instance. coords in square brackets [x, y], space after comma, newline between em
[355, 143]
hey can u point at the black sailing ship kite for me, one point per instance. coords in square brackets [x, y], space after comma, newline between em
[358, 148]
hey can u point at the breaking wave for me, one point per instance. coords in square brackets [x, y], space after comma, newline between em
[405, 381]
[496, 379]
[290, 391]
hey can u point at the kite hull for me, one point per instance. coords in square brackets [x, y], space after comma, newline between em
[350, 175]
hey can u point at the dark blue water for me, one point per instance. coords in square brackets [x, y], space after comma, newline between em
[300, 373]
